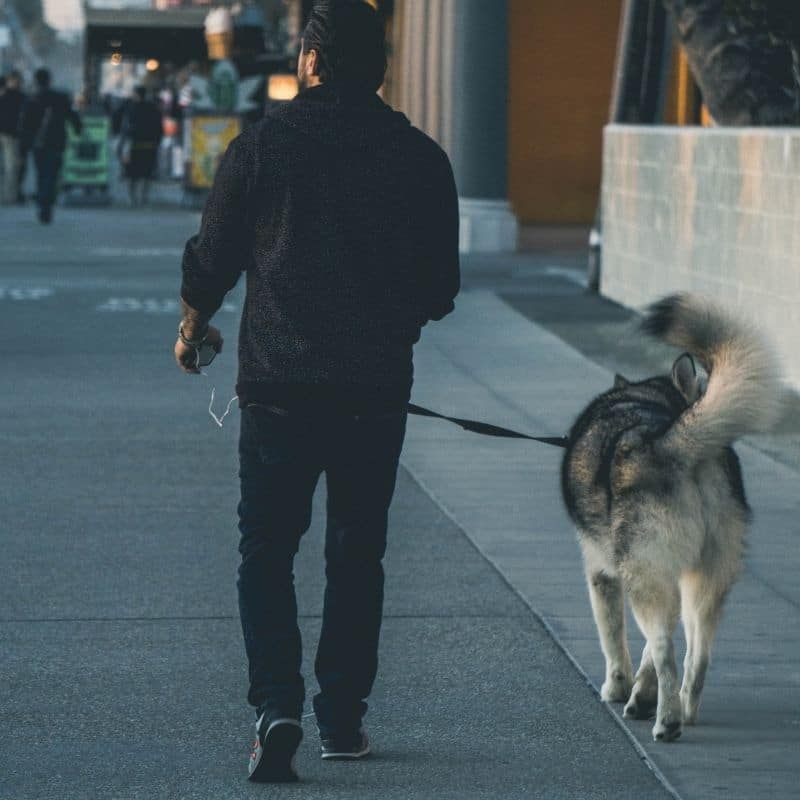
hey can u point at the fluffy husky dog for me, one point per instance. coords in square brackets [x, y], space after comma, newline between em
[655, 489]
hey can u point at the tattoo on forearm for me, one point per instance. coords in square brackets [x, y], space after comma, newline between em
[194, 321]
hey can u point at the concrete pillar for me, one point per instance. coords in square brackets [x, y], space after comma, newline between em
[450, 75]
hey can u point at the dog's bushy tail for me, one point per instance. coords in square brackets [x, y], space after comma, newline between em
[744, 392]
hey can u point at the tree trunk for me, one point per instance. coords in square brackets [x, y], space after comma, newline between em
[745, 78]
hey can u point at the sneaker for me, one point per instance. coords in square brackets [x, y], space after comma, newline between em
[272, 760]
[346, 747]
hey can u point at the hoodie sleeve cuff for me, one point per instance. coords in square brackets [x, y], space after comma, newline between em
[205, 302]
[442, 310]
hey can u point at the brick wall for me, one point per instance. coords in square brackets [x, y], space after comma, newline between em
[707, 210]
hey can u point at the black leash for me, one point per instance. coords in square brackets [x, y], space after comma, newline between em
[485, 429]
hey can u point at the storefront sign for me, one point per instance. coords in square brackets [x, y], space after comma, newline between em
[207, 139]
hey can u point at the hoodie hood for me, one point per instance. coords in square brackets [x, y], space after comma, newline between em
[341, 119]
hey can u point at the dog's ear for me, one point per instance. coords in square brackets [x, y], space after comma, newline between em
[620, 381]
[685, 378]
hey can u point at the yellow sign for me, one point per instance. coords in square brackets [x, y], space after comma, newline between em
[209, 138]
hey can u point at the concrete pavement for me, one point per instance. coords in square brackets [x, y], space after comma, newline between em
[494, 362]
[122, 668]
[122, 662]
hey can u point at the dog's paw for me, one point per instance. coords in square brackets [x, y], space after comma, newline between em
[616, 688]
[642, 704]
[667, 729]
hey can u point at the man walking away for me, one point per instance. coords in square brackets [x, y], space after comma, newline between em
[11, 102]
[345, 219]
[141, 133]
[43, 132]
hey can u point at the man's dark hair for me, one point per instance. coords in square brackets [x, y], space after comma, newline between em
[42, 78]
[140, 92]
[350, 41]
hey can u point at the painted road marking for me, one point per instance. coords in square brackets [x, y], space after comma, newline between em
[148, 305]
[137, 252]
[19, 293]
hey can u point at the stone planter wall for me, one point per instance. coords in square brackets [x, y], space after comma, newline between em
[706, 210]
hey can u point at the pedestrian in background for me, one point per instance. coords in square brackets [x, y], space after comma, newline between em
[11, 102]
[140, 137]
[43, 132]
[345, 219]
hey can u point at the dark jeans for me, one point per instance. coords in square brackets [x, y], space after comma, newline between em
[48, 165]
[281, 460]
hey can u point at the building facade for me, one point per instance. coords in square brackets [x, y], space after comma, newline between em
[449, 73]
[517, 92]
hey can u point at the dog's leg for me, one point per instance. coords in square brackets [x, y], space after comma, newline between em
[689, 615]
[690, 622]
[656, 606]
[644, 695]
[702, 599]
[608, 604]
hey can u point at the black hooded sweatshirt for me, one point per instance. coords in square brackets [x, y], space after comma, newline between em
[345, 219]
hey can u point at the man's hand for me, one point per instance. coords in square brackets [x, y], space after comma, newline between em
[186, 356]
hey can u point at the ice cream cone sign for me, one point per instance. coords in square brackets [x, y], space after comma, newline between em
[219, 34]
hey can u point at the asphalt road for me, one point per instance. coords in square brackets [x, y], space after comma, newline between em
[122, 670]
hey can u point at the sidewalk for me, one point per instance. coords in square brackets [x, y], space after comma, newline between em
[123, 664]
[491, 362]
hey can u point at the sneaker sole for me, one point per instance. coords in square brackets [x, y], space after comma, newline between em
[346, 756]
[274, 761]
